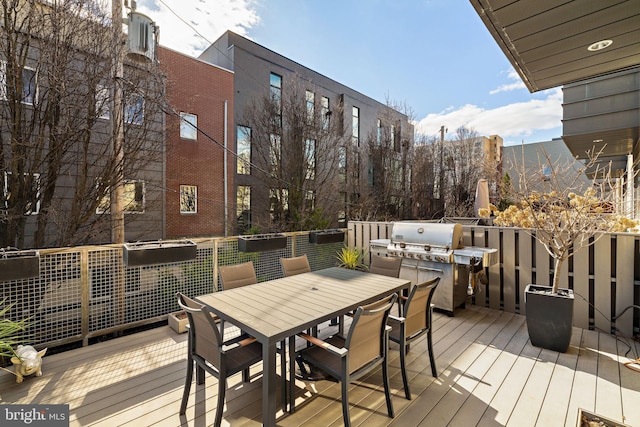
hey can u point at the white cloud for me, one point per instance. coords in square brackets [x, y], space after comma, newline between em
[517, 83]
[207, 18]
[516, 120]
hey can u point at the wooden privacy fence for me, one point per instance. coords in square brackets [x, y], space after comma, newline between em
[605, 276]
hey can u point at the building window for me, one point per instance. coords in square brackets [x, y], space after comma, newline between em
[29, 86]
[188, 126]
[29, 91]
[379, 132]
[188, 199]
[311, 100]
[275, 89]
[275, 151]
[342, 164]
[243, 207]
[310, 157]
[102, 102]
[133, 198]
[32, 199]
[392, 137]
[326, 112]
[355, 126]
[134, 109]
[243, 150]
[279, 199]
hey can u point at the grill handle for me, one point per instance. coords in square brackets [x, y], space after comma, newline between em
[417, 267]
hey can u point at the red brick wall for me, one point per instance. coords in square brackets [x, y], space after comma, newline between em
[198, 88]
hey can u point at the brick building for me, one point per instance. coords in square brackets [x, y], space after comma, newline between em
[200, 97]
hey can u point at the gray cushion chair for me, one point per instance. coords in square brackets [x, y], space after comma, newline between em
[347, 359]
[387, 266]
[234, 276]
[295, 265]
[416, 320]
[244, 274]
[206, 351]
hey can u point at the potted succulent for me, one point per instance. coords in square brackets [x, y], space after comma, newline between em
[350, 258]
[565, 211]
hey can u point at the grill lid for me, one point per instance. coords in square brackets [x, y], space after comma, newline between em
[447, 236]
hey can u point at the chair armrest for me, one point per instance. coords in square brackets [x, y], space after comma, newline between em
[402, 297]
[397, 318]
[324, 345]
[242, 343]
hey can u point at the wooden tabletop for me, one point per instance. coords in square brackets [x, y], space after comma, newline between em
[276, 309]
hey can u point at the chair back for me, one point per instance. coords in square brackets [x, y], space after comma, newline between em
[295, 265]
[366, 338]
[387, 266]
[206, 341]
[234, 276]
[416, 308]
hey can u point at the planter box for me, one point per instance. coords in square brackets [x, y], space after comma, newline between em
[178, 321]
[145, 253]
[18, 265]
[326, 236]
[549, 317]
[584, 417]
[262, 242]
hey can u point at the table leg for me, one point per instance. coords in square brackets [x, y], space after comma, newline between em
[292, 373]
[269, 379]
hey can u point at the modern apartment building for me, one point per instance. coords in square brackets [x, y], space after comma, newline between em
[259, 71]
[199, 187]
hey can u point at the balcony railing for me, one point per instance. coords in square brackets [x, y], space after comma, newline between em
[83, 293]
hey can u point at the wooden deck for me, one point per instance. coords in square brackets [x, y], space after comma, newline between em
[489, 375]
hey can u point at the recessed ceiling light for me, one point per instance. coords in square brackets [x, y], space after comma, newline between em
[602, 44]
[597, 141]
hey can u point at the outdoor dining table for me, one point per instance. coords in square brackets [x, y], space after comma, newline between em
[275, 310]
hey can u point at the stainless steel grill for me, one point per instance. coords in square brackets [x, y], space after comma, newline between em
[433, 249]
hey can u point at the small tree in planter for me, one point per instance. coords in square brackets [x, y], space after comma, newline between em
[566, 212]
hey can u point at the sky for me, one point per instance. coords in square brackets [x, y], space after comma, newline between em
[434, 56]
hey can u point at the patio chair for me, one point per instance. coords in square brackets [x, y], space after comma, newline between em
[387, 266]
[295, 265]
[234, 276]
[348, 359]
[243, 274]
[417, 317]
[207, 351]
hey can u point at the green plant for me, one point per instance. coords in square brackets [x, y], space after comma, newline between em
[9, 330]
[350, 258]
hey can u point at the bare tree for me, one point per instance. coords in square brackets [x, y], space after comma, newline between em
[298, 148]
[425, 167]
[55, 153]
[388, 153]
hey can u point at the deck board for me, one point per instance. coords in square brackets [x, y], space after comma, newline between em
[488, 374]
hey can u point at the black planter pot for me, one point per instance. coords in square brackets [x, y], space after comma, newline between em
[326, 236]
[549, 317]
[18, 265]
[160, 252]
[262, 242]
